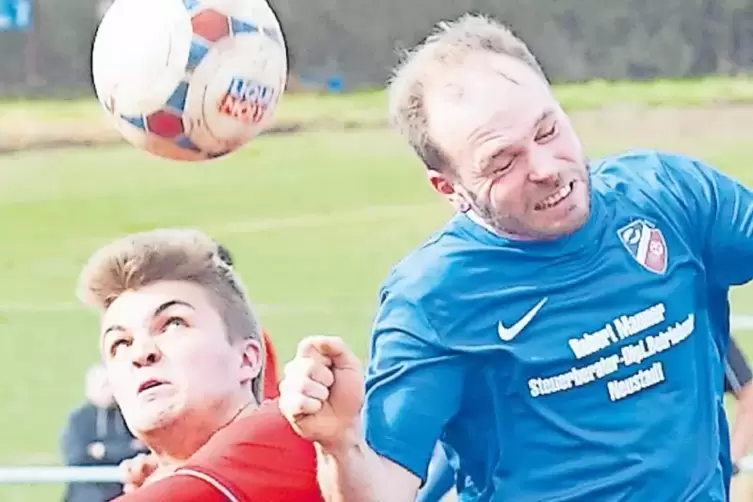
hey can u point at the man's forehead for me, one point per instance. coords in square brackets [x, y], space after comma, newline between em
[474, 82]
[475, 98]
[136, 305]
[481, 71]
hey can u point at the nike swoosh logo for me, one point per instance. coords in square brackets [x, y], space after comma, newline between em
[507, 334]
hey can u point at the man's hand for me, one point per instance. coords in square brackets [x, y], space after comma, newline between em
[323, 390]
[142, 469]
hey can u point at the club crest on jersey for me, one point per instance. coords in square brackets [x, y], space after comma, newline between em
[646, 244]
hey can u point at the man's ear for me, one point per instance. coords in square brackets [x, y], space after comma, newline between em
[252, 362]
[446, 188]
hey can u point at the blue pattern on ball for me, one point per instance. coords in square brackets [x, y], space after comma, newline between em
[196, 54]
[191, 4]
[177, 102]
[238, 26]
[137, 121]
[184, 142]
[198, 50]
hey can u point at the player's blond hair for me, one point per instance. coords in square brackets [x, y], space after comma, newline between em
[446, 48]
[140, 259]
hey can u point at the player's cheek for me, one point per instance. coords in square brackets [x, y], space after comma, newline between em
[122, 398]
[197, 360]
[505, 199]
[117, 378]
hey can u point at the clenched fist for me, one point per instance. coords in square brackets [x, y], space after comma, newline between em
[323, 389]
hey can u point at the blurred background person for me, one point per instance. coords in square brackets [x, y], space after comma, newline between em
[96, 434]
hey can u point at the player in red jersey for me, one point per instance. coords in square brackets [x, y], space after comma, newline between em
[184, 356]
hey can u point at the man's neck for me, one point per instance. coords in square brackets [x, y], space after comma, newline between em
[178, 441]
[478, 220]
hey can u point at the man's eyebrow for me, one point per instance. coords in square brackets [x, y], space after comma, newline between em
[507, 77]
[163, 307]
[544, 115]
[114, 327]
[170, 304]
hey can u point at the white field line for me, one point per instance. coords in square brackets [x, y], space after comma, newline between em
[364, 214]
[739, 322]
[334, 218]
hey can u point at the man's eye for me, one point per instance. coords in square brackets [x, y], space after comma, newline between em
[116, 345]
[174, 322]
[500, 164]
[548, 133]
[504, 166]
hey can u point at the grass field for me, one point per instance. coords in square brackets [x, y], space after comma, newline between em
[314, 220]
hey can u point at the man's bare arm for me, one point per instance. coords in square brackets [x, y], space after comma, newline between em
[742, 429]
[738, 379]
[353, 472]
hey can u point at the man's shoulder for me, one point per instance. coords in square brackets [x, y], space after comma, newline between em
[644, 168]
[262, 429]
[260, 455]
[663, 184]
[428, 266]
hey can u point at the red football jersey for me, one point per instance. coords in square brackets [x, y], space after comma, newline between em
[257, 458]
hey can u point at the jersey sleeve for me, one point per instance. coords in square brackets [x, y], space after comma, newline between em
[721, 212]
[413, 386]
[185, 488]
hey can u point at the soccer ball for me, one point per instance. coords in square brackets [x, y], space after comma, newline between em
[189, 79]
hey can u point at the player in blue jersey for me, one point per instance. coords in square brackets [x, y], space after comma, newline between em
[564, 333]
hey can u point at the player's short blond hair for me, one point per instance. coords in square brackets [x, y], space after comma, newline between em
[447, 47]
[140, 259]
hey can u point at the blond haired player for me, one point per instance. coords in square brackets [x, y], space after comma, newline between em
[183, 352]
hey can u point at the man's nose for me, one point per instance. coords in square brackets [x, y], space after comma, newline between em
[544, 172]
[144, 351]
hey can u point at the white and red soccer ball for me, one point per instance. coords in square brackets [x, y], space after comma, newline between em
[189, 79]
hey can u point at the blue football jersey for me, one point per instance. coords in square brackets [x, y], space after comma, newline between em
[587, 368]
